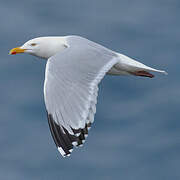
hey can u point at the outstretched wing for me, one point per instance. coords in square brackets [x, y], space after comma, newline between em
[70, 91]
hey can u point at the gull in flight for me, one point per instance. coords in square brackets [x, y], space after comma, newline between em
[75, 66]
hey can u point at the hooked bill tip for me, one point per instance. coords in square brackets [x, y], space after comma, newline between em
[12, 53]
[16, 50]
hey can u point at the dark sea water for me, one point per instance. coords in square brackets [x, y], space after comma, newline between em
[136, 134]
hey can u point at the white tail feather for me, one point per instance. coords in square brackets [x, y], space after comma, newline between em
[130, 65]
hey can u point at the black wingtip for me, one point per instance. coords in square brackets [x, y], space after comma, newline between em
[63, 139]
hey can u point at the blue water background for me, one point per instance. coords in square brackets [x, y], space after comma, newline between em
[136, 131]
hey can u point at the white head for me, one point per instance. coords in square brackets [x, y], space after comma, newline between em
[43, 47]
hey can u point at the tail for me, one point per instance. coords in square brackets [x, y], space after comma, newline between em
[136, 68]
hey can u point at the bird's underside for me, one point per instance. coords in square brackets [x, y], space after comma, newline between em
[77, 80]
[64, 140]
[115, 71]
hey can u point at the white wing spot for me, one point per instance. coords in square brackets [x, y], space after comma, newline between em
[74, 143]
[70, 150]
[61, 151]
[77, 134]
[86, 135]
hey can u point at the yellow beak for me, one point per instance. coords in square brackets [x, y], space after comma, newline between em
[16, 50]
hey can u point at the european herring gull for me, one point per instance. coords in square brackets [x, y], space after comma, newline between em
[74, 68]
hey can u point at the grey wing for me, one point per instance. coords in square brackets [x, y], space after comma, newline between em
[70, 90]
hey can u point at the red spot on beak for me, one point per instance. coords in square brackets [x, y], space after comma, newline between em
[13, 52]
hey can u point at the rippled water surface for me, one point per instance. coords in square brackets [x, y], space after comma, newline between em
[136, 130]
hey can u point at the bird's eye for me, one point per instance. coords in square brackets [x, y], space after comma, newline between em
[33, 44]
